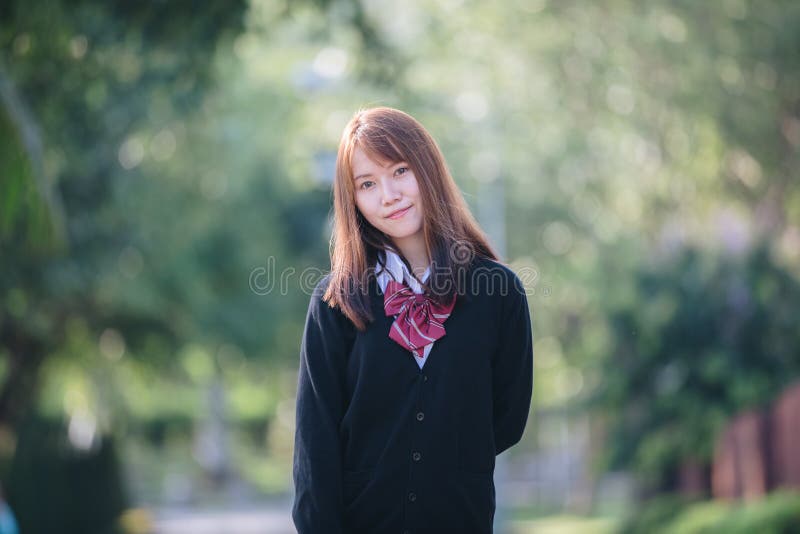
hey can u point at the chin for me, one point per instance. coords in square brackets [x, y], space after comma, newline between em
[401, 234]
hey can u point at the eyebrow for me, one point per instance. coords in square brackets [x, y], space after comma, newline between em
[368, 174]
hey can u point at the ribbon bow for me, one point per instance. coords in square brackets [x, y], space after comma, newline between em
[419, 321]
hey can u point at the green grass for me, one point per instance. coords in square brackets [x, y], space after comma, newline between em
[564, 524]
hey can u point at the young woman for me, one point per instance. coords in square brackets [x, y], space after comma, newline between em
[416, 361]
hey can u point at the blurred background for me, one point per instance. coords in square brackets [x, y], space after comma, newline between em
[165, 203]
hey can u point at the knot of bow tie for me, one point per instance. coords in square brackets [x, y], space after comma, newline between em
[419, 319]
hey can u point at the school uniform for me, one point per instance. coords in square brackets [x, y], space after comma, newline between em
[385, 443]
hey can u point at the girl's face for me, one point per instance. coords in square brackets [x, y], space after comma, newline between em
[387, 195]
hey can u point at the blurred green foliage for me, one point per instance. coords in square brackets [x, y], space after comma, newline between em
[23, 216]
[779, 513]
[58, 489]
[703, 338]
[642, 155]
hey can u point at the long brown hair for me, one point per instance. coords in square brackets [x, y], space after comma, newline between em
[452, 236]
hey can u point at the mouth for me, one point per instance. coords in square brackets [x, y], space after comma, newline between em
[399, 213]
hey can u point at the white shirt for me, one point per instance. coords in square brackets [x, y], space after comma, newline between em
[397, 270]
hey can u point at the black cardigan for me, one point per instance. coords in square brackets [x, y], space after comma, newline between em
[382, 446]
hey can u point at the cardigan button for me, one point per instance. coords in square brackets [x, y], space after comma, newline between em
[416, 456]
[412, 497]
[420, 416]
[424, 378]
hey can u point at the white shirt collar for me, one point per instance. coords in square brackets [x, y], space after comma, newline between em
[396, 269]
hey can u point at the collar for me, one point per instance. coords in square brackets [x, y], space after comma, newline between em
[396, 270]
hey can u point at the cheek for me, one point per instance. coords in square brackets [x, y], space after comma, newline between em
[413, 187]
[361, 202]
[413, 192]
[366, 208]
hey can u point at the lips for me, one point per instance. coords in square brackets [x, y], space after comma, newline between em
[399, 213]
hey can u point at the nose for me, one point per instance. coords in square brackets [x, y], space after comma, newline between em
[389, 192]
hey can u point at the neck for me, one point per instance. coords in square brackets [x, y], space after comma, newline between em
[416, 254]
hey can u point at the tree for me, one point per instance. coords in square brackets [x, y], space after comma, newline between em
[705, 336]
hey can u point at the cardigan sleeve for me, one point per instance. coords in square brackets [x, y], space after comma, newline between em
[317, 462]
[512, 368]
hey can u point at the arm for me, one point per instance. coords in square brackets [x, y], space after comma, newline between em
[512, 369]
[317, 469]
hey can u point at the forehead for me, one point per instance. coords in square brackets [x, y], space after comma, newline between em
[361, 162]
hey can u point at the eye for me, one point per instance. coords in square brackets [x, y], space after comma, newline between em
[364, 184]
[401, 171]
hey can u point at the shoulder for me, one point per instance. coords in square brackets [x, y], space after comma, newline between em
[325, 307]
[327, 338]
[502, 291]
[321, 286]
[318, 306]
[496, 280]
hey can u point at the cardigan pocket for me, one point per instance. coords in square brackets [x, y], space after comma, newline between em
[368, 503]
[479, 493]
[354, 483]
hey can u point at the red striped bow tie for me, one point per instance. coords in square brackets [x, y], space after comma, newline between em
[419, 320]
